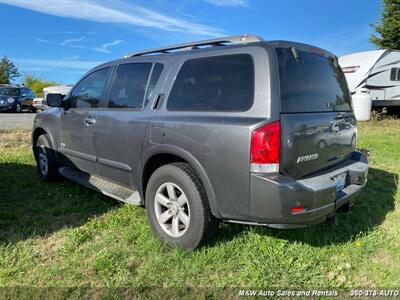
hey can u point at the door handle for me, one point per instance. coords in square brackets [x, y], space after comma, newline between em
[90, 121]
[158, 102]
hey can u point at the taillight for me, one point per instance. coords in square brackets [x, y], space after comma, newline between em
[265, 148]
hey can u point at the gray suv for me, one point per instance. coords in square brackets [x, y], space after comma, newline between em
[224, 129]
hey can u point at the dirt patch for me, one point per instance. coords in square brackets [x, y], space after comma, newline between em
[383, 257]
[48, 246]
[19, 138]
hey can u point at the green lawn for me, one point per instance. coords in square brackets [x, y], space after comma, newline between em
[64, 235]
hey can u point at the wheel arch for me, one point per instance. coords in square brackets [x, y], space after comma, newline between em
[165, 154]
[38, 131]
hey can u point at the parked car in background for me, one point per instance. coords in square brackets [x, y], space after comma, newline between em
[37, 103]
[41, 103]
[222, 129]
[15, 98]
[339, 133]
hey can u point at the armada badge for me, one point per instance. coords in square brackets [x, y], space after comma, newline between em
[307, 157]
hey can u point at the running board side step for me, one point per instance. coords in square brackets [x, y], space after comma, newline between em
[103, 186]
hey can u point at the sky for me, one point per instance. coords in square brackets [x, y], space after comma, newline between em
[61, 40]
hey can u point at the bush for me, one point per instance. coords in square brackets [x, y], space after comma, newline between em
[37, 85]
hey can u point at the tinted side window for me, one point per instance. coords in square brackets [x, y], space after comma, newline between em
[87, 94]
[25, 92]
[220, 83]
[395, 74]
[129, 85]
[155, 75]
[30, 93]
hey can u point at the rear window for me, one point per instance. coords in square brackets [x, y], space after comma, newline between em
[219, 83]
[311, 83]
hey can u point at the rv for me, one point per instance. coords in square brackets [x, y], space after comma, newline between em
[378, 71]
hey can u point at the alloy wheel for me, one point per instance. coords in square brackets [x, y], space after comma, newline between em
[172, 209]
[43, 162]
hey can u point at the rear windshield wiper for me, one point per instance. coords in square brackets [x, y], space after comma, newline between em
[295, 53]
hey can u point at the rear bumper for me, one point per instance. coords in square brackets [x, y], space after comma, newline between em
[40, 105]
[273, 196]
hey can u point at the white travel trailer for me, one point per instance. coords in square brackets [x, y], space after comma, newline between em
[378, 71]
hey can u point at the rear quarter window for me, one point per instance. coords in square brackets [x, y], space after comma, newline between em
[219, 83]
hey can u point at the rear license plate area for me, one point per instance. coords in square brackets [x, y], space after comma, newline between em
[340, 181]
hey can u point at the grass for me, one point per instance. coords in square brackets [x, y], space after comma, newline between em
[64, 235]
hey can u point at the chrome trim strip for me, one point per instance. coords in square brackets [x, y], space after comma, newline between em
[114, 164]
[77, 154]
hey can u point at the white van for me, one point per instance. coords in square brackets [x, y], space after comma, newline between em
[41, 103]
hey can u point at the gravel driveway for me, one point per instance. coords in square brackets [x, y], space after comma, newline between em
[16, 121]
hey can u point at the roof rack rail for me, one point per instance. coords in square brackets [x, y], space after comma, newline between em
[234, 39]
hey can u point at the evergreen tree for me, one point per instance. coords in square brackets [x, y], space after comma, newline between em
[389, 27]
[8, 71]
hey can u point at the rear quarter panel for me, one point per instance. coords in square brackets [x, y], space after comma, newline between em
[220, 141]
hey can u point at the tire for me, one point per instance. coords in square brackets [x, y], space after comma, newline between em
[353, 141]
[34, 110]
[18, 108]
[45, 159]
[190, 222]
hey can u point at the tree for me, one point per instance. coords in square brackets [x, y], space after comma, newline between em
[8, 71]
[37, 84]
[389, 26]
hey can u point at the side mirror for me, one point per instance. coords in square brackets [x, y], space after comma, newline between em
[54, 100]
